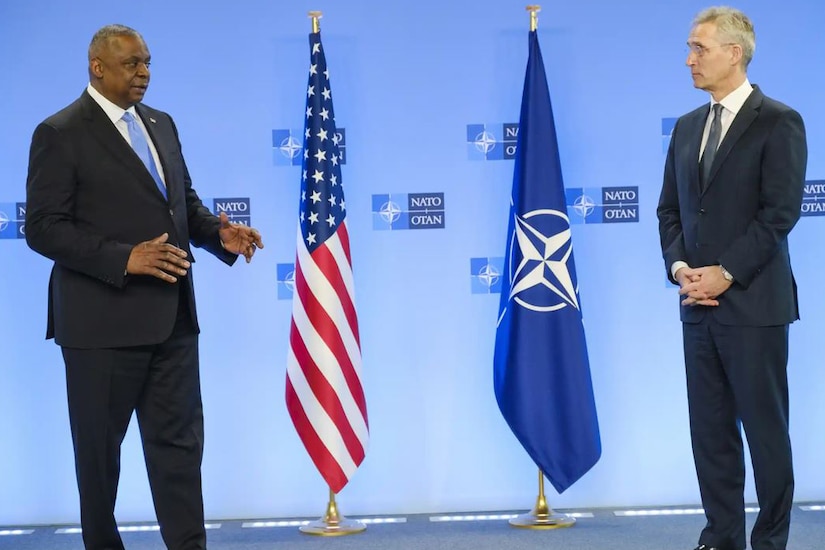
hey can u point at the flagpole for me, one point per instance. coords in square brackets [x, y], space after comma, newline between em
[332, 524]
[316, 17]
[542, 515]
[534, 16]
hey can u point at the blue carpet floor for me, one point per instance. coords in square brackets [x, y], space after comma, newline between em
[603, 531]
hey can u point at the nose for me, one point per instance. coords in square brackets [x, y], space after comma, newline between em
[143, 69]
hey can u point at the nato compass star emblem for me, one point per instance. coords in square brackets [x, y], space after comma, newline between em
[488, 275]
[584, 205]
[541, 262]
[4, 220]
[290, 147]
[485, 142]
[390, 212]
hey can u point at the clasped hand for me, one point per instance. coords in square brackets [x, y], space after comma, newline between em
[701, 286]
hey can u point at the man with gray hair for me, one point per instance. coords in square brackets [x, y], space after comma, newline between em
[732, 192]
[110, 201]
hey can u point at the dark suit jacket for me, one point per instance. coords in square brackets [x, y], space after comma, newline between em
[89, 201]
[742, 218]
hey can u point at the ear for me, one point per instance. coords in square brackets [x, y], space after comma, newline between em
[96, 67]
[736, 57]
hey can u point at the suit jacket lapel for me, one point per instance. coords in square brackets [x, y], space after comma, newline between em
[744, 118]
[104, 131]
[695, 129]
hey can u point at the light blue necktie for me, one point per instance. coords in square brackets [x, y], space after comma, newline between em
[141, 147]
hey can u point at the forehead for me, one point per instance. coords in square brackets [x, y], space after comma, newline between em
[126, 45]
[702, 32]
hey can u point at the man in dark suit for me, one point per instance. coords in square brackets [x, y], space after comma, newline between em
[109, 199]
[732, 192]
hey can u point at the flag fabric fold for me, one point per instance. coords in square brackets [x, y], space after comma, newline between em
[541, 368]
[324, 393]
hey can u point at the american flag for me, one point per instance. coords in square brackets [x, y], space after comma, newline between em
[324, 395]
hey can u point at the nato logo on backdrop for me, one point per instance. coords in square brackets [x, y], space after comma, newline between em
[396, 211]
[667, 130]
[495, 141]
[237, 209]
[12, 220]
[486, 275]
[603, 204]
[286, 280]
[288, 146]
[813, 198]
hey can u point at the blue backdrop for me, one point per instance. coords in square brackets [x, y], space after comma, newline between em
[426, 96]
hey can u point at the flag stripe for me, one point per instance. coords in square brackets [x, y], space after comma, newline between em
[323, 397]
[331, 322]
[346, 322]
[315, 354]
[323, 459]
[336, 272]
[338, 248]
[326, 350]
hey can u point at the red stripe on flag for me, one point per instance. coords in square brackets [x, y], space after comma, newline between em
[343, 236]
[319, 384]
[323, 323]
[324, 461]
[325, 261]
[327, 264]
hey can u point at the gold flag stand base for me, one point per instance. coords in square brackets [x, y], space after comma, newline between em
[332, 524]
[542, 516]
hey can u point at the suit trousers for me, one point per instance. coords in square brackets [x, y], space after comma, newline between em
[738, 374]
[161, 384]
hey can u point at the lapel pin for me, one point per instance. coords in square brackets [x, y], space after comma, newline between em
[152, 120]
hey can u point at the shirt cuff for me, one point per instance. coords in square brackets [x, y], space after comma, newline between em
[676, 267]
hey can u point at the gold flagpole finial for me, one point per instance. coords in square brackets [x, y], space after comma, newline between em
[534, 10]
[316, 16]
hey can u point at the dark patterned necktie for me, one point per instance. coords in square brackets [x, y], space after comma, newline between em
[712, 144]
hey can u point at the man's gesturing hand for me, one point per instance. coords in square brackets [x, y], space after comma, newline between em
[158, 259]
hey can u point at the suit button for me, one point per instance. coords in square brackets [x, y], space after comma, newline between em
[171, 213]
[701, 211]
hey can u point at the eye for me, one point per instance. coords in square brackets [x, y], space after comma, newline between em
[697, 49]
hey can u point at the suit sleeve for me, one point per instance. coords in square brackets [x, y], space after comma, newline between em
[784, 160]
[203, 225]
[51, 228]
[668, 212]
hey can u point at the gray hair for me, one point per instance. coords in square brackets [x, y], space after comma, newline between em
[732, 26]
[101, 38]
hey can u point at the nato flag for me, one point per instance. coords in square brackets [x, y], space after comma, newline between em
[542, 374]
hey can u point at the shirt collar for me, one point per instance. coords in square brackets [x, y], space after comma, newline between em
[733, 101]
[112, 111]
